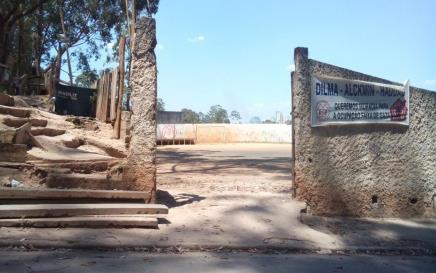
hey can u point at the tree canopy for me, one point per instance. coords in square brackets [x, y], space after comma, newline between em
[160, 105]
[35, 34]
[255, 120]
[216, 114]
[235, 116]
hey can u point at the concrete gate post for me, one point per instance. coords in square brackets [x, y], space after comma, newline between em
[300, 98]
[140, 171]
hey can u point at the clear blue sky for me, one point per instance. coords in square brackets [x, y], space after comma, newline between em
[238, 53]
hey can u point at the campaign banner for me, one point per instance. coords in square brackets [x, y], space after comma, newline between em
[336, 101]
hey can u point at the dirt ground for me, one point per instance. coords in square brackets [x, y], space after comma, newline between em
[94, 261]
[217, 168]
[235, 196]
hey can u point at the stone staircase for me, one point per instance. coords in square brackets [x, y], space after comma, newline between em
[75, 188]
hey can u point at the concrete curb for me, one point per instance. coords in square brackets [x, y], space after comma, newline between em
[272, 249]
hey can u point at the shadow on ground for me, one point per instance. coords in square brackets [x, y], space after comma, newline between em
[202, 162]
[180, 199]
[378, 233]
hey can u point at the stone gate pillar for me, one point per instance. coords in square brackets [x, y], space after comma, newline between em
[140, 171]
[300, 121]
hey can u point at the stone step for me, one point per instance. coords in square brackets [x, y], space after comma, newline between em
[94, 181]
[37, 193]
[67, 201]
[79, 167]
[6, 100]
[111, 151]
[18, 122]
[90, 221]
[50, 149]
[63, 210]
[13, 111]
[13, 152]
[7, 134]
[22, 134]
[15, 165]
[45, 131]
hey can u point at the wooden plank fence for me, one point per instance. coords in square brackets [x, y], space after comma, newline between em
[110, 94]
[107, 97]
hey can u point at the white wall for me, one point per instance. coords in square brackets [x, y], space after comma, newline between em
[226, 133]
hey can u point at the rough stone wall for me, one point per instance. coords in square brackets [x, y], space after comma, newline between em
[140, 170]
[125, 125]
[363, 170]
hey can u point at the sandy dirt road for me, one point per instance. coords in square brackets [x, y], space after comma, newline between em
[217, 168]
[66, 261]
[237, 197]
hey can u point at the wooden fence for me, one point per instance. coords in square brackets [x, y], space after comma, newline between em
[107, 96]
[110, 93]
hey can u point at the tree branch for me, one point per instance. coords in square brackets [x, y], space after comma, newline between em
[26, 12]
[6, 18]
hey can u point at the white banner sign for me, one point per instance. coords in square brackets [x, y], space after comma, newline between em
[336, 101]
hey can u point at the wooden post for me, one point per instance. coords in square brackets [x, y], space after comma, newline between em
[117, 125]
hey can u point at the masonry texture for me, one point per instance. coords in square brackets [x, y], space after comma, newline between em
[363, 170]
[140, 170]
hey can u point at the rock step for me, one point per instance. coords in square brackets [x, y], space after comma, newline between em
[111, 151]
[45, 131]
[36, 193]
[63, 210]
[13, 135]
[13, 152]
[6, 100]
[90, 221]
[68, 201]
[94, 181]
[7, 134]
[15, 165]
[13, 111]
[33, 193]
[18, 122]
[78, 167]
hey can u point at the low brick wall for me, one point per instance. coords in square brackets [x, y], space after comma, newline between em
[363, 170]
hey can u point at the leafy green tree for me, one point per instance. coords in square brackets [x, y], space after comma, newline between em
[12, 12]
[160, 105]
[39, 32]
[86, 79]
[235, 116]
[190, 116]
[217, 114]
[202, 117]
[255, 120]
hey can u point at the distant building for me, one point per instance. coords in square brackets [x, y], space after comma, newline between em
[279, 117]
[169, 117]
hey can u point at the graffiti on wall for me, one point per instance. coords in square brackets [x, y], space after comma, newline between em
[226, 133]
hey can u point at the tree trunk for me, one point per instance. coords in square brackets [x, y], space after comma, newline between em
[38, 43]
[117, 126]
[1, 55]
[20, 47]
[56, 71]
[4, 40]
